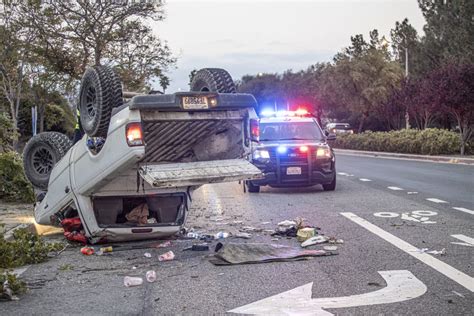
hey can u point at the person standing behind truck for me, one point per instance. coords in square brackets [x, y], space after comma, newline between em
[78, 131]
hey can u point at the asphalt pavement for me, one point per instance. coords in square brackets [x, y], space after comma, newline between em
[388, 212]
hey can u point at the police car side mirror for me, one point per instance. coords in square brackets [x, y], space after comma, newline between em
[331, 137]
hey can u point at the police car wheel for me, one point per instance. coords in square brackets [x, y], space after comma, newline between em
[330, 186]
[252, 188]
[213, 80]
[40, 155]
[101, 91]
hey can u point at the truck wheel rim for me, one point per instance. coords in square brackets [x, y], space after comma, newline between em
[90, 102]
[43, 161]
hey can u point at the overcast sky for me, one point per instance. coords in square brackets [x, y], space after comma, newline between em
[248, 37]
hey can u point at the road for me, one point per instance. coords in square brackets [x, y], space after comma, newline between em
[382, 229]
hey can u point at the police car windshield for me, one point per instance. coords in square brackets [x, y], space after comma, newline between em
[290, 131]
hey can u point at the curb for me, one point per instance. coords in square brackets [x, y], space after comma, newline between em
[30, 227]
[377, 154]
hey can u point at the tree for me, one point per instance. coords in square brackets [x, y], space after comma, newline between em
[14, 57]
[362, 77]
[449, 31]
[452, 88]
[73, 34]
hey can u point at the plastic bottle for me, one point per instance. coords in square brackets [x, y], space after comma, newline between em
[221, 235]
[151, 276]
[132, 281]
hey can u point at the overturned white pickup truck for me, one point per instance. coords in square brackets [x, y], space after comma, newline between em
[154, 149]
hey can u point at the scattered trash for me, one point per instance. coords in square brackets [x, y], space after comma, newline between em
[221, 235]
[87, 251]
[150, 276]
[134, 268]
[432, 252]
[285, 231]
[305, 234]
[243, 235]
[167, 256]
[103, 250]
[265, 223]
[250, 229]
[334, 240]
[287, 223]
[147, 255]
[330, 248]
[314, 241]
[197, 247]
[206, 237]
[139, 214]
[192, 235]
[164, 244]
[237, 222]
[229, 254]
[275, 239]
[132, 281]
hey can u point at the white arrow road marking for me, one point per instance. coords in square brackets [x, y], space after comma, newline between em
[402, 285]
[395, 188]
[462, 209]
[436, 200]
[444, 268]
[468, 241]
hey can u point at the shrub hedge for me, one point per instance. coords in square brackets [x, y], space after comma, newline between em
[431, 141]
[14, 187]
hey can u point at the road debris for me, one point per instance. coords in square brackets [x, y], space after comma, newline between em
[330, 248]
[139, 214]
[87, 251]
[287, 223]
[285, 231]
[197, 247]
[221, 235]
[132, 281]
[167, 256]
[305, 233]
[231, 253]
[243, 235]
[334, 240]
[147, 255]
[314, 241]
[150, 276]
[441, 252]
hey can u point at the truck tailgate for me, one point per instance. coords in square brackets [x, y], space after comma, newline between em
[198, 173]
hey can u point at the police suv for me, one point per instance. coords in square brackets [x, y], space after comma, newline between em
[293, 152]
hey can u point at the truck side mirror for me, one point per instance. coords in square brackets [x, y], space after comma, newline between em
[331, 136]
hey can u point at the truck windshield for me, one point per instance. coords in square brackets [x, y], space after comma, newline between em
[290, 131]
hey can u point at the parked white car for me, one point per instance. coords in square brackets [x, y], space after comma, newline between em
[157, 150]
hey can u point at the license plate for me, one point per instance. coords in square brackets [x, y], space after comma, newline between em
[194, 103]
[293, 170]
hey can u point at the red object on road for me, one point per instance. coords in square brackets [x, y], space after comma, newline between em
[87, 251]
[73, 230]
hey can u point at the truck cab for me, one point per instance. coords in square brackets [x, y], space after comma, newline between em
[293, 152]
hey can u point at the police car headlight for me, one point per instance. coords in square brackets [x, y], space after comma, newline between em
[261, 154]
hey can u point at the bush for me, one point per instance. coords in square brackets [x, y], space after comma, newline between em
[431, 141]
[7, 133]
[14, 187]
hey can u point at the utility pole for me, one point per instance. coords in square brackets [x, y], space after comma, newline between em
[407, 115]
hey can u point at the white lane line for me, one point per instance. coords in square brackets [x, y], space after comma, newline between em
[343, 174]
[465, 210]
[468, 241]
[444, 268]
[365, 180]
[436, 200]
[395, 188]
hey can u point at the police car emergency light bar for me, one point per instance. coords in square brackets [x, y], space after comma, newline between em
[283, 113]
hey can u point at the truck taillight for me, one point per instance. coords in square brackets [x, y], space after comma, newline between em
[254, 129]
[134, 134]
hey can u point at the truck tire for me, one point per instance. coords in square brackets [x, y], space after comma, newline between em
[101, 91]
[40, 155]
[330, 186]
[214, 80]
